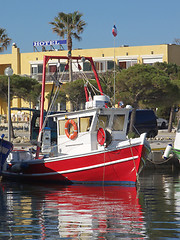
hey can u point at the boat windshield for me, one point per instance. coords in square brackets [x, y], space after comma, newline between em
[118, 122]
[103, 121]
[62, 126]
[85, 124]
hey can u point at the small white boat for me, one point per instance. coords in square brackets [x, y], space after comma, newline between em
[173, 150]
[92, 146]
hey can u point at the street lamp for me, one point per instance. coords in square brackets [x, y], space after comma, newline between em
[9, 72]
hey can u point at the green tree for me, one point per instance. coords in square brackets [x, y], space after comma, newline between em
[69, 25]
[173, 71]
[142, 84]
[75, 93]
[26, 88]
[4, 40]
[22, 87]
[61, 97]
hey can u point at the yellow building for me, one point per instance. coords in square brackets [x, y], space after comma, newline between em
[125, 56]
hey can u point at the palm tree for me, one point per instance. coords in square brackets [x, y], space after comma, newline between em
[4, 40]
[71, 26]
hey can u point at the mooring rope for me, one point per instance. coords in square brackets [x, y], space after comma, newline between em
[137, 175]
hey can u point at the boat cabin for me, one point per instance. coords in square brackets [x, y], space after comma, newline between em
[92, 129]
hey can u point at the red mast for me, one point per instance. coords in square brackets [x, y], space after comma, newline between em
[45, 61]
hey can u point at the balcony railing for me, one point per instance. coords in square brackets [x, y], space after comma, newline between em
[64, 77]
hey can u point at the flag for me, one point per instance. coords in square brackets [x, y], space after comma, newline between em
[114, 31]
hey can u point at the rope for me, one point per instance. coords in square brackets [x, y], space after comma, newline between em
[137, 176]
[104, 167]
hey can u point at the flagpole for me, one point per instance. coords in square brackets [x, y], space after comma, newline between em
[114, 32]
[114, 72]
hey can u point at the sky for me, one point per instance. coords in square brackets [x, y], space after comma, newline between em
[138, 22]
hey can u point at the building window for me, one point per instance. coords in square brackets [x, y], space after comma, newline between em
[124, 64]
[151, 61]
[101, 66]
[40, 68]
[87, 66]
[110, 65]
[62, 67]
[36, 68]
[52, 68]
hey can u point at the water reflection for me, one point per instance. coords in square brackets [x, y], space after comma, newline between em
[69, 212]
[160, 203]
[150, 211]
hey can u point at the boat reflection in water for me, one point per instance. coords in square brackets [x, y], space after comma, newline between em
[72, 212]
[96, 210]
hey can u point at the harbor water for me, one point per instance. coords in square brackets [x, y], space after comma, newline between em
[151, 210]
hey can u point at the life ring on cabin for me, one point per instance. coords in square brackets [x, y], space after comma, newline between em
[67, 129]
[101, 136]
[104, 136]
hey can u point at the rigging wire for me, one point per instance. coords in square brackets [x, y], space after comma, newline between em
[94, 89]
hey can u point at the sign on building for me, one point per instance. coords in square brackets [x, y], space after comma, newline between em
[50, 43]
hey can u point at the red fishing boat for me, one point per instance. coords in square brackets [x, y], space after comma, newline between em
[92, 144]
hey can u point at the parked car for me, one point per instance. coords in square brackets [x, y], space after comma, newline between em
[162, 123]
[146, 121]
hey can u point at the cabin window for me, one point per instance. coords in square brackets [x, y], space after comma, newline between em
[118, 122]
[85, 124]
[103, 121]
[62, 126]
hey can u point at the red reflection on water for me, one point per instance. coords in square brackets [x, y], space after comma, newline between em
[74, 212]
[96, 210]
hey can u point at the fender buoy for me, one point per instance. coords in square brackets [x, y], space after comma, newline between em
[101, 136]
[167, 151]
[67, 129]
[104, 137]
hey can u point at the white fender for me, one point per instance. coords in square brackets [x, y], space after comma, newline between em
[167, 151]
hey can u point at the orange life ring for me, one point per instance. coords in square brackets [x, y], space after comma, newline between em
[74, 134]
